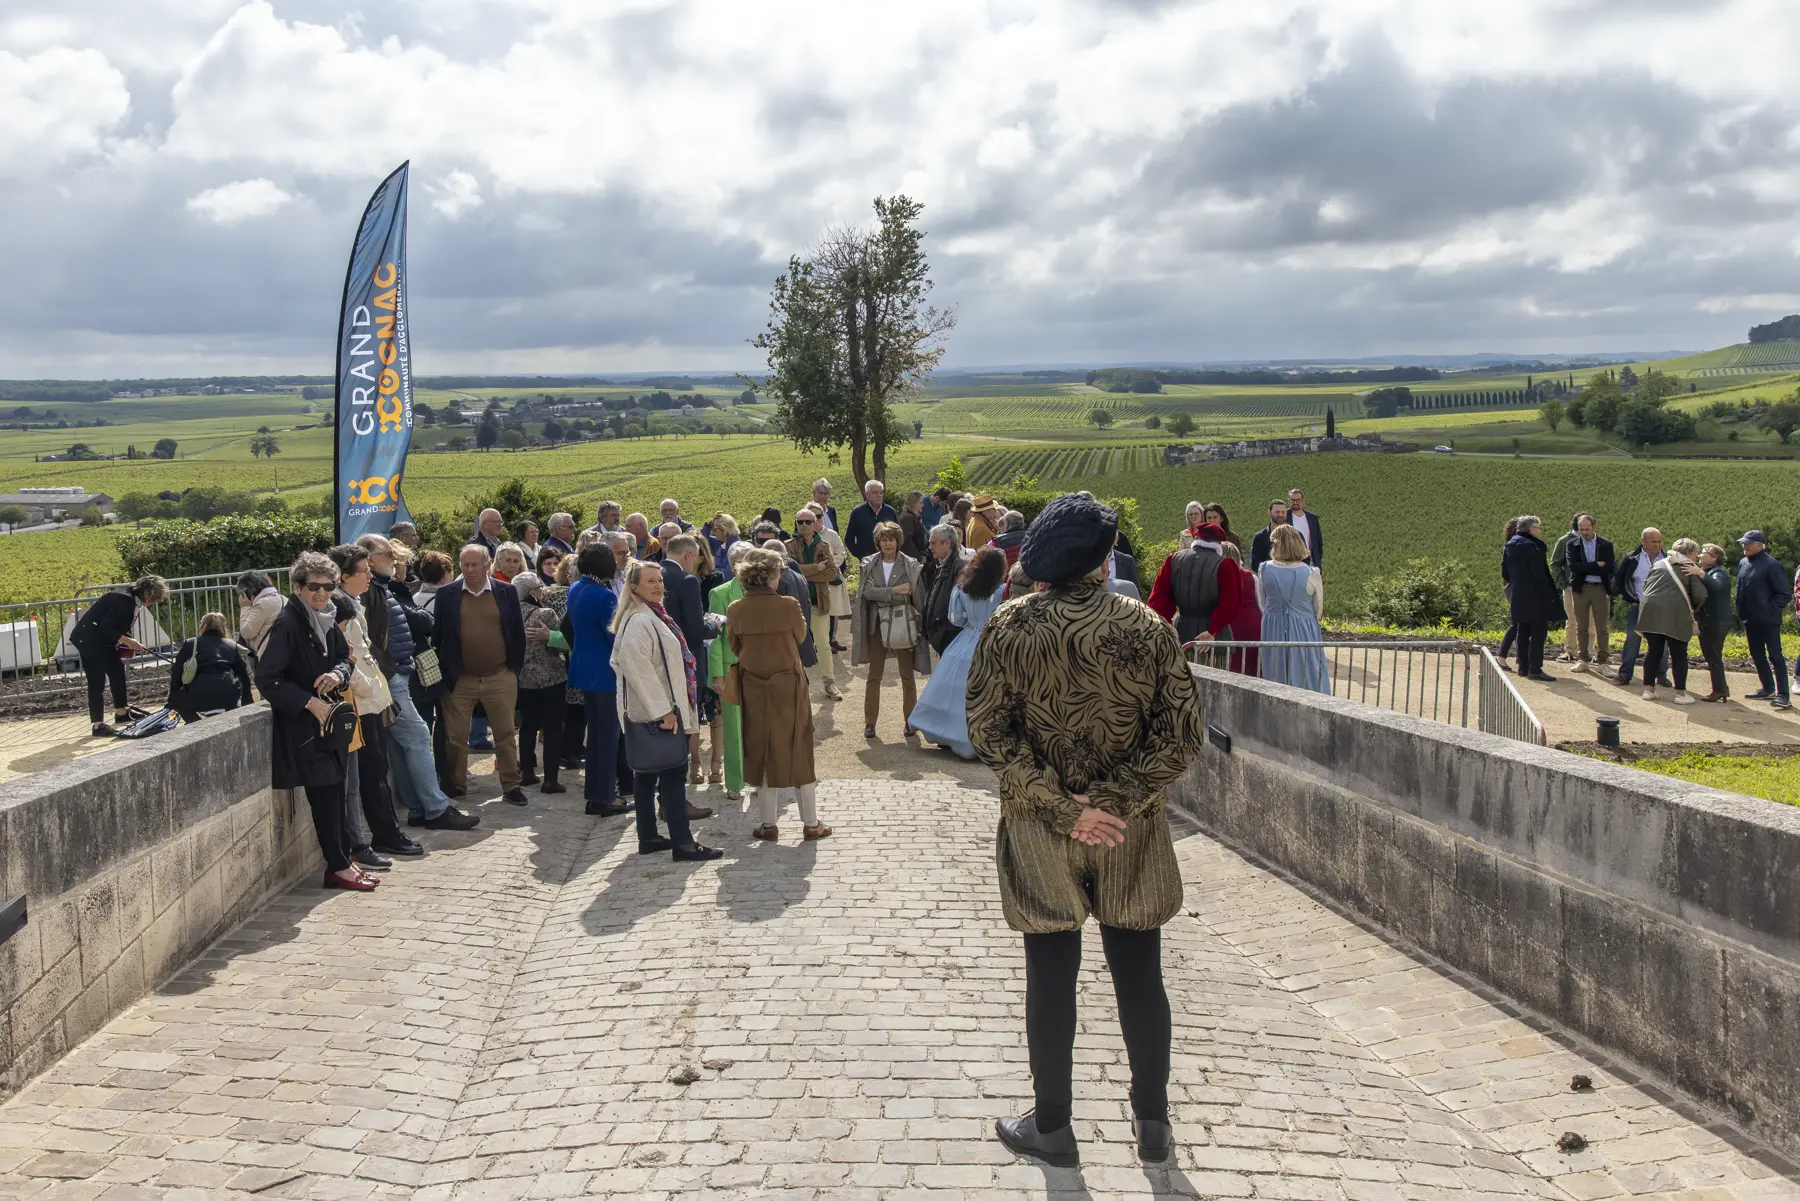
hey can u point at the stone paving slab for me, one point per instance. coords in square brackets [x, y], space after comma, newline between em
[533, 1010]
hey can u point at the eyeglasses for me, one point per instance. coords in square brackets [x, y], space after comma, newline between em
[319, 586]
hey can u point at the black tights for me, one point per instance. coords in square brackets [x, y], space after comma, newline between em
[1052, 963]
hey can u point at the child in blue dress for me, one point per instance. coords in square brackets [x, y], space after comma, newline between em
[942, 712]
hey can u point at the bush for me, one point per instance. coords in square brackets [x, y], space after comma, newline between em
[224, 544]
[1427, 593]
[517, 501]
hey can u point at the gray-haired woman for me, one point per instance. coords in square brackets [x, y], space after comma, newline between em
[1675, 588]
[305, 660]
[97, 637]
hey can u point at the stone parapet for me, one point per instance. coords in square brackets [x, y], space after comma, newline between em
[1658, 918]
[132, 861]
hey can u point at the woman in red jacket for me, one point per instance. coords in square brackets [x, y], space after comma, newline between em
[1234, 600]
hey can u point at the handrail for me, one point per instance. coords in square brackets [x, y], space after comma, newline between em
[1414, 676]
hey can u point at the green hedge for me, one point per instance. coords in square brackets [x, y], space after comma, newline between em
[224, 544]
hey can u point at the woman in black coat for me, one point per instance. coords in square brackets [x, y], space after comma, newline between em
[305, 659]
[1534, 599]
[97, 637]
[219, 677]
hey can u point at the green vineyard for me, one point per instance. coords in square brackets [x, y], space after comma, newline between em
[1768, 354]
[1003, 467]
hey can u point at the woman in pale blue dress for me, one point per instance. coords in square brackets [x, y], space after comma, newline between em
[1292, 597]
[942, 714]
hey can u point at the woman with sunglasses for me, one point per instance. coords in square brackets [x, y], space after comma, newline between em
[305, 660]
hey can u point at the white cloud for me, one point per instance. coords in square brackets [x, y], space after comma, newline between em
[234, 202]
[459, 193]
[59, 103]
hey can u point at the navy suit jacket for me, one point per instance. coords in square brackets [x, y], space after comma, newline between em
[1315, 538]
[681, 597]
[448, 638]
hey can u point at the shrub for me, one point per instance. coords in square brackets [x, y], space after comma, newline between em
[224, 544]
[1426, 593]
[517, 501]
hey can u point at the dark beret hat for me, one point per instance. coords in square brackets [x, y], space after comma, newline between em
[1070, 538]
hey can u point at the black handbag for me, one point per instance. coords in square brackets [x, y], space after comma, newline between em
[339, 727]
[648, 747]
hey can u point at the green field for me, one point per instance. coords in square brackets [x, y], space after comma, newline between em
[1379, 510]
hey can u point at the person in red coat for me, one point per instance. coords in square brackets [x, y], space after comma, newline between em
[1201, 591]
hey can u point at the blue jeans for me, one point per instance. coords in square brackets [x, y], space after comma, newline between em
[415, 775]
[1765, 651]
[1633, 644]
[601, 782]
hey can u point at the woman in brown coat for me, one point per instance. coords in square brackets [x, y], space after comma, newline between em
[766, 630]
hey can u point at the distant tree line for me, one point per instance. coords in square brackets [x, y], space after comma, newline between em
[1132, 379]
[1787, 329]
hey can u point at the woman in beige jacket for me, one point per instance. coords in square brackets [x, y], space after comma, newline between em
[890, 584]
[658, 679]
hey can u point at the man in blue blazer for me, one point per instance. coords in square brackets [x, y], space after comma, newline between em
[480, 641]
[1307, 522]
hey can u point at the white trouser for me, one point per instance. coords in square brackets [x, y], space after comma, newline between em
[771, 799]
[823, 674]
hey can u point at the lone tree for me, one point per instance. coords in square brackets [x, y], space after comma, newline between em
[487, 432]
[850, 334]
[1552, 412]
[1181, 425]
[1783, 417]
[1100, 417]
[264, 444]
[13, 516]
[1330, 422]
[164, 449]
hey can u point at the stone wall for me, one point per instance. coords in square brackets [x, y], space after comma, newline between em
[1658, 918]
[132, 861]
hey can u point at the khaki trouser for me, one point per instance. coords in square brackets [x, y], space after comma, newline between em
[909, 689]
[770, 800]
[1592, 610]
[499, 694]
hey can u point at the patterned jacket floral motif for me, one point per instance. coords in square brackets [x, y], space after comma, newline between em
[1080, 691]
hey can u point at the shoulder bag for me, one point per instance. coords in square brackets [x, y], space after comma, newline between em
[900, 624]
[649, 747]
[338, 729]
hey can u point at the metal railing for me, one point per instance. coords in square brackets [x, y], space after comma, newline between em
[38, 661]
[1433, 680]
[1503, 710]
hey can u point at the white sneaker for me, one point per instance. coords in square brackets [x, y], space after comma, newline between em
[1649, 694]
[1682, 698]
[1579, 667]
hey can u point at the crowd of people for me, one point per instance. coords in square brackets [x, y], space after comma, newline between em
[1671, 595]
[659, 658]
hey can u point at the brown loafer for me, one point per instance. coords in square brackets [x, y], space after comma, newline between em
[696, 812]
[811, 833]
[766, 833]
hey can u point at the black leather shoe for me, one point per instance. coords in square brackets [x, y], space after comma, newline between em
[515, 796]
[366, 857]
[653, 846]
[554, 786]
[697, 854]
[602, 809]
[452, 818]
[1057, 1148]
[406, 848]
[415, 820]
[1154, 1140]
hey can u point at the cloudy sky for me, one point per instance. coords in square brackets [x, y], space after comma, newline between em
[612, 186]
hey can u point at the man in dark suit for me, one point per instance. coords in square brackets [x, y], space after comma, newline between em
[1591, 565]
[859, 538]
[681, 598]
[562, 532]
[1307, 522]
[1260, 551]
[490, 531]
[821, 496]
[945, 562]
[480, 641]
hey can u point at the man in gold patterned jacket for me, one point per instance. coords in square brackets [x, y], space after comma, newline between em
[1080, 700]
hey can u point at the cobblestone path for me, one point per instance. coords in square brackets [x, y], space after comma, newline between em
[535, 1011]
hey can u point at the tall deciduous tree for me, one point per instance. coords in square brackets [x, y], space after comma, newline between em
[850, 334]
